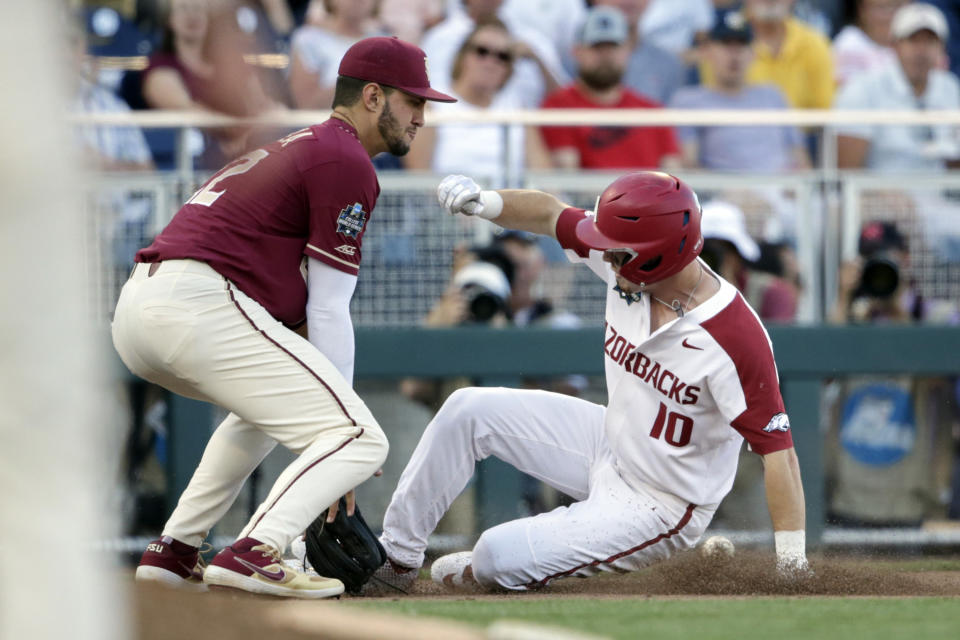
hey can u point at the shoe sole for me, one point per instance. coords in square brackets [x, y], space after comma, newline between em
[220, 577]
[158, 575]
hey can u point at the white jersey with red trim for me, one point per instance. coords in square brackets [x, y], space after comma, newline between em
[682, 399]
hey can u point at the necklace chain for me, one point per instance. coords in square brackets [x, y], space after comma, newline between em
[676, 306]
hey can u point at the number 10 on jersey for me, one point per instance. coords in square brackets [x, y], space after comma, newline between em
[675, 427]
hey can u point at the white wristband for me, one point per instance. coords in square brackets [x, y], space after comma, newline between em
[491, 205]
[791, 547]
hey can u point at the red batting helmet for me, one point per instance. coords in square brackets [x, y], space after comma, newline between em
[654, 216]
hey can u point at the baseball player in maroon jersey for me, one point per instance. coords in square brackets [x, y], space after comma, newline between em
[690, 374]
[211, 311]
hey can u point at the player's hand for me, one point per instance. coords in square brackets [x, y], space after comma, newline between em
[449, 311]
[351, 505]
[793, 568]
[460, 194]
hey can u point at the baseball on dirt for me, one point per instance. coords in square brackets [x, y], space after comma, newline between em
[717, 547]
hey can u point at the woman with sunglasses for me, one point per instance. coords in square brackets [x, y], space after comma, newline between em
[482, 66]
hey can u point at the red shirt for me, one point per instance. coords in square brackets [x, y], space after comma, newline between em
[610, 147]
[309, 193]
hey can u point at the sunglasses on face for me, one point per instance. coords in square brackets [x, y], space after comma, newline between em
[503, 56]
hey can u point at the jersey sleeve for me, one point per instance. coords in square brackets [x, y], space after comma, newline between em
[577, 251]
[746, 387]
[341, 196]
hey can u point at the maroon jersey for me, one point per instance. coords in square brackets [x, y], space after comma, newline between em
[309, 193]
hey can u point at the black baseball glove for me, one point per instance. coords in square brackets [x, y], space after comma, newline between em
[345, 549]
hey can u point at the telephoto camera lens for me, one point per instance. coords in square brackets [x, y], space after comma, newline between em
[485, 289]
[483, 304]
[881, 277]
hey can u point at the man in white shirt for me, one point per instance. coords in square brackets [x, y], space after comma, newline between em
[690, 374]
[912, 83]
[537, 71]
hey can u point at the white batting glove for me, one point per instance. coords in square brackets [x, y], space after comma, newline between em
[791, 555]
[460, 194]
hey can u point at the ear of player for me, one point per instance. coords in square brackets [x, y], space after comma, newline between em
[460, 194]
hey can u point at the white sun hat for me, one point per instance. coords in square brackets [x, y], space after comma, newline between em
[724, 221]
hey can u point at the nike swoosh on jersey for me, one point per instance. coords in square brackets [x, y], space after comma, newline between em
[690, 346]
[276, 576]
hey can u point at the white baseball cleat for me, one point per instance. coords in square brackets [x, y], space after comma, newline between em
[454, 570]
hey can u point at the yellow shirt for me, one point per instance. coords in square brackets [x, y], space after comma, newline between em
[803, 70]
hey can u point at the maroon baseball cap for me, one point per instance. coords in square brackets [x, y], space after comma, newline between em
[391, 62]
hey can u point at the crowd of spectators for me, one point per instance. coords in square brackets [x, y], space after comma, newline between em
[698, 54]
[566, 54]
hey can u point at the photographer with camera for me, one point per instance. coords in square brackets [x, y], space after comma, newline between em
[478, 294]
[888, 449]
[871, 288]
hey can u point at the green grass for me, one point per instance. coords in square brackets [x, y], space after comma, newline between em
[719, 619]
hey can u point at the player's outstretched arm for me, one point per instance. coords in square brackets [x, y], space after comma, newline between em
[781, 474]
[520, 209]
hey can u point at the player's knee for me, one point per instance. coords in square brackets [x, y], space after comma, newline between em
[462, 401]
[466, 406]
[374, 437]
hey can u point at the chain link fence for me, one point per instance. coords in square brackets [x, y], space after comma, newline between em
[409, 245]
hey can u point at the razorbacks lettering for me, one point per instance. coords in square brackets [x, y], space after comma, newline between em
[621, 351]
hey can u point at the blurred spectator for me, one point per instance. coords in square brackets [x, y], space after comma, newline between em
[652, 72]
[911, 83]
[280, 15]
[674, 25]
[864, 44]
[111, 149]
[888, 447]
[495, 286]
[951, 9]
[298, 11]
[873, 288]
[199, 66]
[477, 294]
[408, 19]
[526, 307]
[558, 20]
[788, 53]
[732, 148]
[317, 48]
[538, 67]
[730, 251]
[601, 53]
[481, 68]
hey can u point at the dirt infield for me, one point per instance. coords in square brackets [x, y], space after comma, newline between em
[163, 614]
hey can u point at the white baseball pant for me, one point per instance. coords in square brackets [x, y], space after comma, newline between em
[559, 440]
[190, 330]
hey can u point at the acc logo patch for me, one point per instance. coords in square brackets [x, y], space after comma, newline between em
[351, 220]
[779, 422]
[347, 249]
